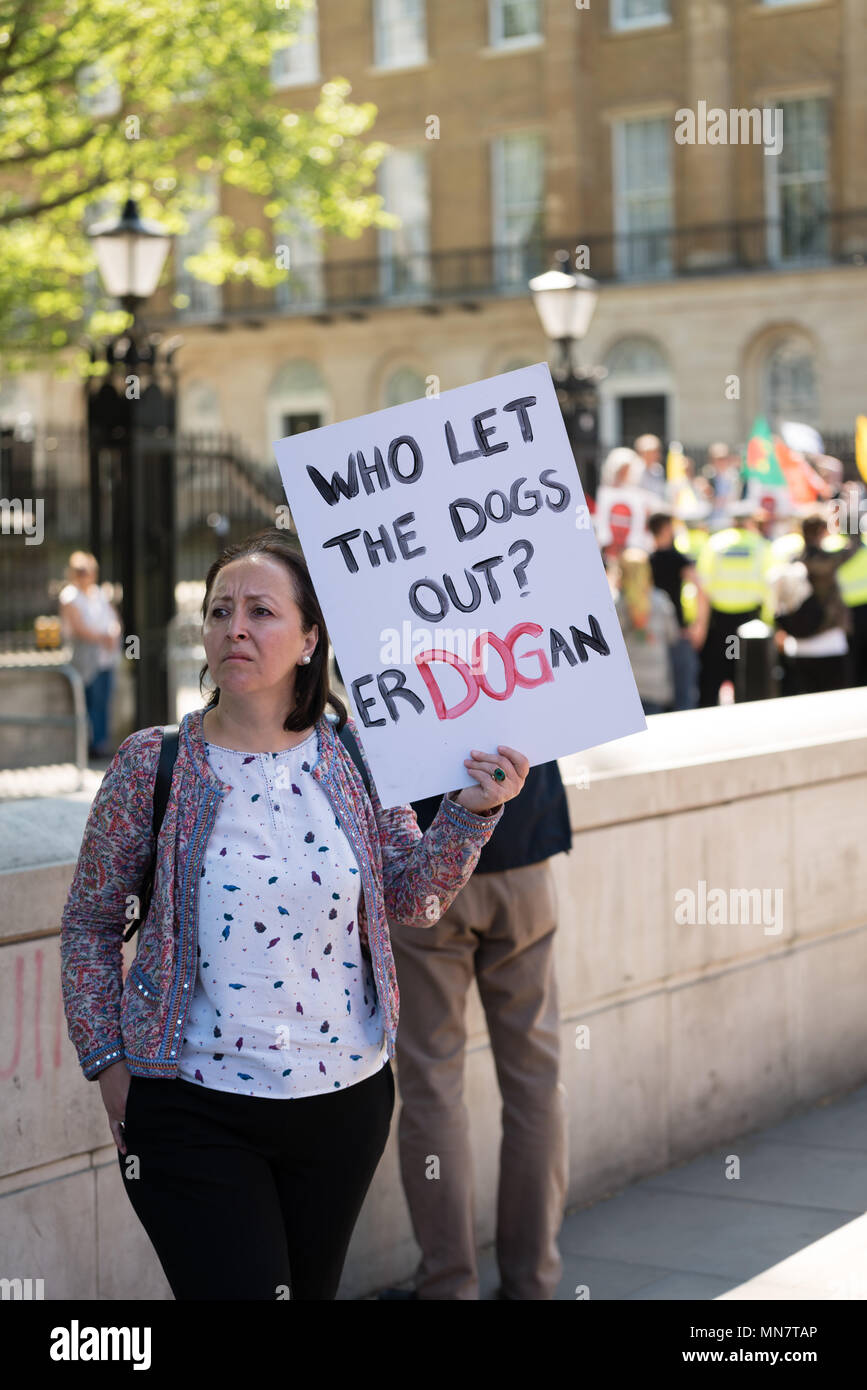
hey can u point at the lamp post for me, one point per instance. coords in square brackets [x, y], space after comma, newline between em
[131, 432]
[565, 303]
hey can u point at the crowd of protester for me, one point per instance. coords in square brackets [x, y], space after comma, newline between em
[712, 559]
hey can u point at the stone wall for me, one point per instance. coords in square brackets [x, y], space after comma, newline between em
[675, 1036]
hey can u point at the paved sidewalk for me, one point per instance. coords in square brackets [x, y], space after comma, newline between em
[792, 1226]
[52, 779]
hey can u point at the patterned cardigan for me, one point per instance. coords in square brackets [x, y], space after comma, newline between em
[406, 876]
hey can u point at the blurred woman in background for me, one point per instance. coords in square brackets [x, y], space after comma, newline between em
[89, 623]
[650, 630]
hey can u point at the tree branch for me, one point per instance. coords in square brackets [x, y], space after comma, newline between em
[36, 209]
[19, 27]
[30, 155]
[106, 46]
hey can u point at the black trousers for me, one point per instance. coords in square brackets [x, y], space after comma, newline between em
[249, 1197]
[858, 646]
[816, 673]
[716, 666]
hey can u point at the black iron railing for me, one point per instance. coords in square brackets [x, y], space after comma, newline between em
[222, 495]
[430, 279]
[44, 480]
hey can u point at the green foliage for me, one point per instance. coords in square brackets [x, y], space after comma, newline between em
[193, 94]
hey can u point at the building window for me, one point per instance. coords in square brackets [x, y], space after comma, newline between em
[202, 298]
[639, 14]
[643, 202]
[518, 174]
[404, 385]
[636, 357]
[405, 250]
[298, 246]
[298, 61]
[297, 401]
[797, 184]
[198, 86]
[99, 93]
[399, 37]
[790, 390]
[637, 395]
[515, 22]
[299, 422]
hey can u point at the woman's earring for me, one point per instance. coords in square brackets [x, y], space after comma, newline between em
[305, 659]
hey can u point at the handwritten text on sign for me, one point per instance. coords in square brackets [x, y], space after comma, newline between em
[461, 582]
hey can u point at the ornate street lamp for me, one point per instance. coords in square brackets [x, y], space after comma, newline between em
[131, 411]
[130, 254]
[565, 303]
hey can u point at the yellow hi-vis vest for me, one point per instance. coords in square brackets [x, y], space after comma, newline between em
[787, 547]
[733, 568]
[851, 577]
[689, 603]
[689, 542]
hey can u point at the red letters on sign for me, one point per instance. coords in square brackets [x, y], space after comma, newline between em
[474, 678]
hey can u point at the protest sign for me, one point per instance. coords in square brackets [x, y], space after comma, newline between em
[452, 552]
[621, 516]
[776, 500]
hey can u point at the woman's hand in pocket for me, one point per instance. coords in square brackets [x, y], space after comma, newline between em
[114, 1085]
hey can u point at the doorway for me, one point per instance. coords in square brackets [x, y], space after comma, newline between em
[300, 423]
[641, 415]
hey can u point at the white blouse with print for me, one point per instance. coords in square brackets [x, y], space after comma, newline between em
[284, 1003]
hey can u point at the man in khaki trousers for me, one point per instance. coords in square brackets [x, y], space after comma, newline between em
[500, 931]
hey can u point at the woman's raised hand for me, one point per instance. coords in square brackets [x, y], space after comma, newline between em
[490, 793]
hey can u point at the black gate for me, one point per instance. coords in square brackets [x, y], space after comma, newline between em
[221, 495]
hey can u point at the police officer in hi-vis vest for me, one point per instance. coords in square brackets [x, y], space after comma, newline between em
[732, 569]
[852, 583]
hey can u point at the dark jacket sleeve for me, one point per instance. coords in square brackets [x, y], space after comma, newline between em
[853, 545]
[534, 825]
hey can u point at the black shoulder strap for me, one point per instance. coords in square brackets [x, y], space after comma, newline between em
[169, 753]
[162, 787]
[350, 743]
[163, 781]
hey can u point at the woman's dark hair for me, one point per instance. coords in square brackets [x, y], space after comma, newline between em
[813, 528]
[312, 687]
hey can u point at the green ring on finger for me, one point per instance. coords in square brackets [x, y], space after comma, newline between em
[499, 774]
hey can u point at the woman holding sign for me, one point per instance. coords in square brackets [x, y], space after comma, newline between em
[244, 1062]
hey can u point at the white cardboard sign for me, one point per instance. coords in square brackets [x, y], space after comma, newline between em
[621, 516]
[452, 553]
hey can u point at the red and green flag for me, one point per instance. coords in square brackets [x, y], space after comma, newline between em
[804, 483]
[776, 476]
[761, 465]
[766, 483]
